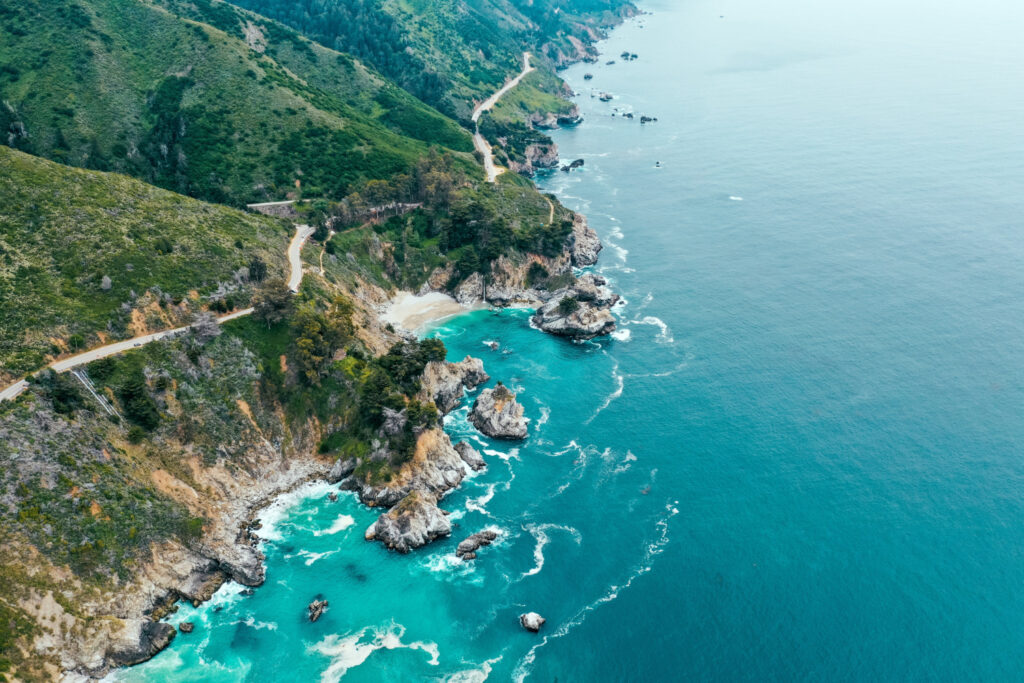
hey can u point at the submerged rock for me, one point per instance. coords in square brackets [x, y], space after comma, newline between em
[497, 414]
[468, 547]
[470, 456]
[413, 522]
[531, 621]
[316, 608]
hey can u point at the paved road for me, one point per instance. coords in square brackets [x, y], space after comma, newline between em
[302, 233]
[482, 146]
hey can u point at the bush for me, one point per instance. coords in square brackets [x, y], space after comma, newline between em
[568, 305]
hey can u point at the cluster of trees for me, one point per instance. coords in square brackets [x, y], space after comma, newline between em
[319, 334]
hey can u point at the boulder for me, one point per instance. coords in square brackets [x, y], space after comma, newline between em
[531, 621]
[316, 608]
[341, 469]
[412, 523]
[497, 414]
[468, 547]
[186, 627]
[470, 456]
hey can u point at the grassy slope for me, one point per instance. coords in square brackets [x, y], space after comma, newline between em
[133, 87]
[63, 229]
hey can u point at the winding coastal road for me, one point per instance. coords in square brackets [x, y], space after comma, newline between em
[302, 233]
[482, 146]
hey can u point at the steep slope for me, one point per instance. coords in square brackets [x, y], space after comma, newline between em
[222, 106]
[451, 52]
[88, 257]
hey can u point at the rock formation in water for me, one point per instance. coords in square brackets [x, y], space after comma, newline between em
[582, 311]
[414, 522]
[443, 383]
[468, 547]
[316, 608]
[531, 621]
[497, 414]
[470, 456]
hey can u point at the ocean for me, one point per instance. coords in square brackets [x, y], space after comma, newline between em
[802, 455]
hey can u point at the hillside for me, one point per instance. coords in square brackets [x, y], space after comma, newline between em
[87, 257]
[451, 52]
[203, 99]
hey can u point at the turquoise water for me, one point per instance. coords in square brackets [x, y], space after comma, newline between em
[803, 456]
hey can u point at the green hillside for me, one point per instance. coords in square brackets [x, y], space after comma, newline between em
[84, 254]
[448, 52]
[203, 99]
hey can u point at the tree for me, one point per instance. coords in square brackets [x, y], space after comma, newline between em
[205, 327]
[257, 269]
[272, 302]
[318, 335]
[568, 305]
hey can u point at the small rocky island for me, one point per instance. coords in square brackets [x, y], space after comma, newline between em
[467, 548]
[531, 621]
[582, 311]
[497, 414]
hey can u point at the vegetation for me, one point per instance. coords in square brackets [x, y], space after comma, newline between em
[173, 93]
[87, 256]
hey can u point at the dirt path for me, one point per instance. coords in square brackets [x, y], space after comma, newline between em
[302, 233]
[490, 168]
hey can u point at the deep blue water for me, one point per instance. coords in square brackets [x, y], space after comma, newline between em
[805, 462]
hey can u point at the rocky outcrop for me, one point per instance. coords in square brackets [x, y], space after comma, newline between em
[531, 621]
[434, 469]
[497, 414]
[468, 547]
[412, 523]
[470, 291]
[443, 383]
[470, 456]
[140, 640]
[316, 608]
[579, 312]
[537, 156]
[584, 244]
[572, 166]
[571, 117]
[186, 627]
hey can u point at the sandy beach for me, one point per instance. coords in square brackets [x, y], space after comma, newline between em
[411, 312]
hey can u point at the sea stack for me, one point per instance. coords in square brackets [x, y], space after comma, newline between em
[531, 621]
[497, 414]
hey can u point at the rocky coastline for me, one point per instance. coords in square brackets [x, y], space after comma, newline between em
[229, 550]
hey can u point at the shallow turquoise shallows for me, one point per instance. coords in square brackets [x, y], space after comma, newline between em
[802, 456]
